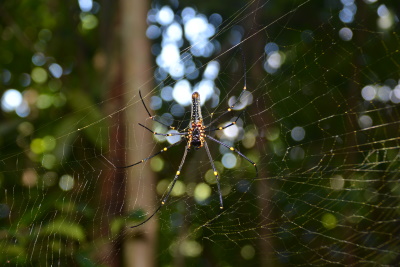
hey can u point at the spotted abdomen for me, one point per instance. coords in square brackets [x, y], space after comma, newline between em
[196, 136]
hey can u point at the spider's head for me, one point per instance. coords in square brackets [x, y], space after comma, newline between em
[196, 95]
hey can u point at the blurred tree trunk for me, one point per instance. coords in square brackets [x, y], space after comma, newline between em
[140, 243]
[253, 49]
[107, 64]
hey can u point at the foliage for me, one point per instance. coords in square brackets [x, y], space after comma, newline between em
[70, 131]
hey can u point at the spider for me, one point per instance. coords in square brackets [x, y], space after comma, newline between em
[195, 136]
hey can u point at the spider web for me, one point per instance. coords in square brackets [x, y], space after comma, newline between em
[321, 123]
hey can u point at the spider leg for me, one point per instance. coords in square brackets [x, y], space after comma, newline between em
[240, 96]
[229, 125]
[176, 176]
[153, 117]
[237, 151]
[170, 134]
[216, 175]
[148, 219]
[228, 110]
[169, 191]
[146, 159]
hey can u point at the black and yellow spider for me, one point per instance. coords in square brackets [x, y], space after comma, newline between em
[194, 135]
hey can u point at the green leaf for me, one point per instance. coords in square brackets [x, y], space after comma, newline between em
[90, 118]
[12, 254]
[116, 225]
[137, 215]
[64, 228]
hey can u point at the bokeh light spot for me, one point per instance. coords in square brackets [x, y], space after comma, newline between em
[345, 34]
[177, 110]
[229, 160]
[29, 178]
[365, 121]
[212, 69]
[11, 99]
[298, 133]
[182, 92]
[337, 182]
[173, 139]
[157, 164]
[39, 75]
[173, 33]
[202, 191]
[249, 139]
[275, 60]
[210, 177]
[247, 252]
[85, 5]
[329, 221]
[25, 79]
[190, 248]
[179, 189]
[55, 70]
[49, 161]
[49, 143]
[66, 182]
[272, 133]
[44, 101]
[153, 32]
[37, 146]
[271, 48]
[231, 132]
[89, 21]
[162, 186]
[38, 59]
[166, 93]
[155, 103]
[45, 35]
[384, 93]
[368, 93]
[165, 16]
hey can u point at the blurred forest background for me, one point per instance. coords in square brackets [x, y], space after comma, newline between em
[321, 121]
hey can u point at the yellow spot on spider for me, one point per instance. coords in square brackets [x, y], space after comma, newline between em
[220, 128]
[229, 109]
[178, 172]
[173, 128]
[244, 88]
[215, 173]
[232, 148]
[162, 202]
[165, 149]
[142, 160]
[169, 134]
[234, 122]
[254, 164]
[154, 133]
[221, 207]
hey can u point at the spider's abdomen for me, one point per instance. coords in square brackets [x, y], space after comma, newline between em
[196, 136]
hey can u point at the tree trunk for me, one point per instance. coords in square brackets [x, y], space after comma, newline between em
[253, 49]
[140, 243]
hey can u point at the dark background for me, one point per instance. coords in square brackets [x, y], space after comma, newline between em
[293, 213]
